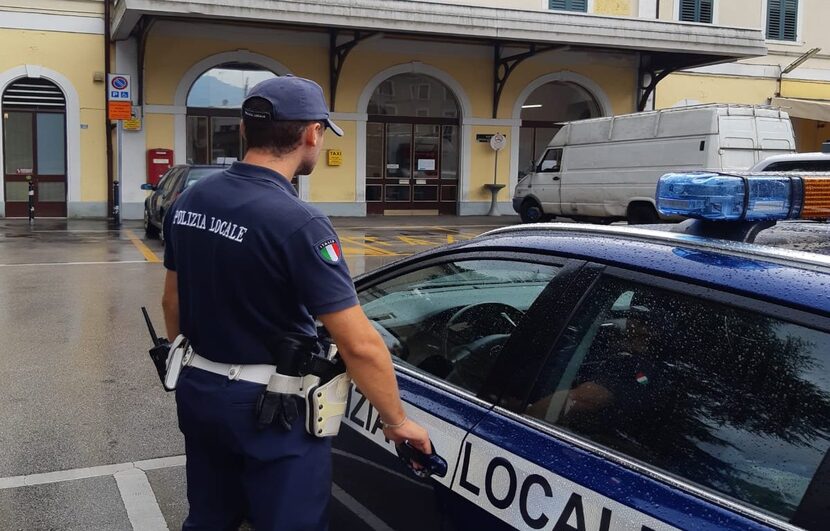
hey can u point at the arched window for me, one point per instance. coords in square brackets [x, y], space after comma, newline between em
[545, 110]
[213, 106]
[412, 146]
[34, 146]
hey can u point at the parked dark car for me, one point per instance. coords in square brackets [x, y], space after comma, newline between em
[171, 184]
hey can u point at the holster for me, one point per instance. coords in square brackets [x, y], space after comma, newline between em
[325, 405]
[324, 372]
[174, 363]
[327, 389]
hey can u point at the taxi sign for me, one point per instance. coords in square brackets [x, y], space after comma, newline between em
[335, 157]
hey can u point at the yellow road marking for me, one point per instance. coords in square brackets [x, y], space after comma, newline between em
[416, 241]
[357, 251]
[382, 252]
[374, 240]
[149, 255]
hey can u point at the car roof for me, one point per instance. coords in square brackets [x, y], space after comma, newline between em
[794, 157]
[793, 278]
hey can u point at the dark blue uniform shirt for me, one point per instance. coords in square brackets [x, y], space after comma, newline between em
[253, 262]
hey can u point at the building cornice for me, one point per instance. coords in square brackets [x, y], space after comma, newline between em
[709, 42]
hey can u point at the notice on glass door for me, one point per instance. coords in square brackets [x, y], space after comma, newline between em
[426, 164]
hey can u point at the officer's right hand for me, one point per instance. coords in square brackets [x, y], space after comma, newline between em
[413, 432]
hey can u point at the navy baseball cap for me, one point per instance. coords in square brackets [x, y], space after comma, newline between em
[291, 98]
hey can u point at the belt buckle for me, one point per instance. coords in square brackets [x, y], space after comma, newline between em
[234, 372]
[188, 356]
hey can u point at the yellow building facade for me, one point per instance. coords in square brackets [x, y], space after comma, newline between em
[794, 75]
[57, 44]
[419, 90]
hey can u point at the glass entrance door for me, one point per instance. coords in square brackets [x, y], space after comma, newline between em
[411, 167]
[214, 140]
[34, 146]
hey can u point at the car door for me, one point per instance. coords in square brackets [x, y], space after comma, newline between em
[158, 198]
[172, 189]
[446, 322]
[548, 180]
[663, 405]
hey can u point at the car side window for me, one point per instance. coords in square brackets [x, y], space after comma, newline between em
[551, 162]
[169, 179]
[732, 400]
[451, 320]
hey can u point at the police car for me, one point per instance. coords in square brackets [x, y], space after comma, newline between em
[579, 377]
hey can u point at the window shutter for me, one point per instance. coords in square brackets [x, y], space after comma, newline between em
[782, 20]
[697, 11]
[706, 11]
[569, 5]
[774, 19]
[790, 24]
[688, 10]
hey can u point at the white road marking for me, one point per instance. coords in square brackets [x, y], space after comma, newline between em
[161, 462]
[358, 509]
[89, 472]
[140, 501]
[72, 231]
[76, 263]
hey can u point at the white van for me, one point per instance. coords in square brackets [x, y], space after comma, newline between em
[606, 169]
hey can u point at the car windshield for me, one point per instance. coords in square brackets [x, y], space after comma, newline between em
[197, 173]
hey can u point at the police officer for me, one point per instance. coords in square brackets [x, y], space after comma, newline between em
[248, 263]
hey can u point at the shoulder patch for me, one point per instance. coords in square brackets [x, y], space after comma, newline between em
[329, 251]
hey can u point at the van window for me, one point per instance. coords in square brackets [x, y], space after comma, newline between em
[551, 162]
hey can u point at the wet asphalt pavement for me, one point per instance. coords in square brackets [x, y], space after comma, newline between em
[81, 410]
[80, 405]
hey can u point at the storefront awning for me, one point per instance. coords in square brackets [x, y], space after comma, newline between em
[678, 44]
[818, 110]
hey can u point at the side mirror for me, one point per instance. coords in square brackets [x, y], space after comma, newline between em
[148, 187]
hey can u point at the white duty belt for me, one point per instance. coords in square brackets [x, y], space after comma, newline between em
[259, 374]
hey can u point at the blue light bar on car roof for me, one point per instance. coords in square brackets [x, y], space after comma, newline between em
[720, 197]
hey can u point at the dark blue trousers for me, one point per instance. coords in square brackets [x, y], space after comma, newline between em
[278, 480]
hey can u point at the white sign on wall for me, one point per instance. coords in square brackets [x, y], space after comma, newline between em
[119, 87]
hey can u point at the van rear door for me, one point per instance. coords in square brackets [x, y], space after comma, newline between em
[746, 139]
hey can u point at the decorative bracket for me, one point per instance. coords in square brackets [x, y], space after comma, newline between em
[337, 56]
[503, 66]
[655, 76]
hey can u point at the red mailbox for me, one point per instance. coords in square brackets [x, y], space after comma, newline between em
[159, 160]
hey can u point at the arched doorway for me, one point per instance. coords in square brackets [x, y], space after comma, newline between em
[545, 110]
[34, 146]
[213, 106]
[412, 146]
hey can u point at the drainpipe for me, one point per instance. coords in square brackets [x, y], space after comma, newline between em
[107, 125]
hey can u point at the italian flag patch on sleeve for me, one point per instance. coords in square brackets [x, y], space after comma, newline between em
[329, 251]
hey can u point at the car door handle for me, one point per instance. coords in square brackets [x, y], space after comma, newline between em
[434, 464]
[556, 178]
